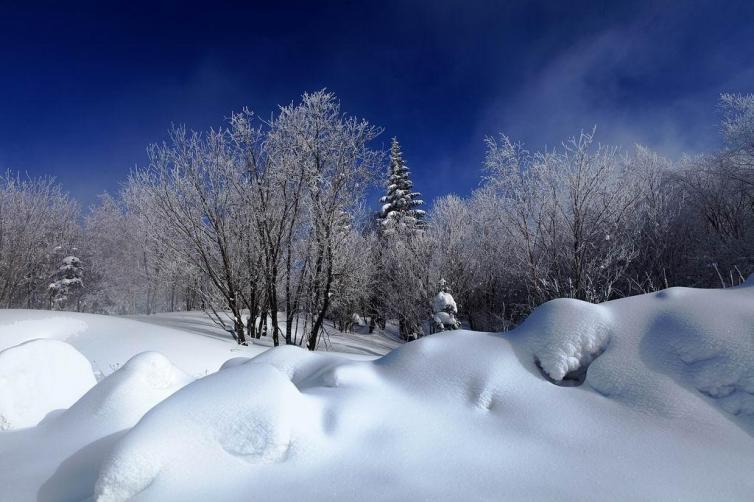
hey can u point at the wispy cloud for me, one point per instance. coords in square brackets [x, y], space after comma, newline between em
[635, 82]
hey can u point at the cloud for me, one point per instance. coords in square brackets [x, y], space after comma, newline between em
[636, 82]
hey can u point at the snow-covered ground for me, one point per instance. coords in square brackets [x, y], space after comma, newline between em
[665, 410]
[358, 341]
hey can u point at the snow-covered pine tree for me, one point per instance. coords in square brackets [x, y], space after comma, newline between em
[67, 288]
[400, 262]
[400, 206]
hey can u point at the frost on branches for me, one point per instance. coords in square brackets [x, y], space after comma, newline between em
[400, 205]
[403, 255]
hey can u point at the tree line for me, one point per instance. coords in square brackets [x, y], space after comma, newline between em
[265, 225]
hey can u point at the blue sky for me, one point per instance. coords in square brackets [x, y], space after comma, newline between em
[84, 88]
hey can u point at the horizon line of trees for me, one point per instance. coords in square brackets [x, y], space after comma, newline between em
[263, 224]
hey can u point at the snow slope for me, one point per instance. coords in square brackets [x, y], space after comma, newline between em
[359, 341]
[108, 342]
[664, 411]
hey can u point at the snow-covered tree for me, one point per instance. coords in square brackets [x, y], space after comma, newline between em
[402, 285]
[444, 309]
[400, 206]
[35, 217]
[571, 211]
[68, 284]
[400, 264]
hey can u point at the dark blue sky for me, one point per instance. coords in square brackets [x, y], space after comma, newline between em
[84, 88]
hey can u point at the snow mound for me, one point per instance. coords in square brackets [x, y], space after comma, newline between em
[233, 362]
[663, 414]
[123, 397]
[565, 336]
[38, 377]
[292, 425]
[227, 425]
[713, 354]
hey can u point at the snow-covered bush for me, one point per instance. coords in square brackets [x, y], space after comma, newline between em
[565, 336]
[444, 309]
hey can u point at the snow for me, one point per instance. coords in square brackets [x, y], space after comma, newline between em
[565, 335]
[71, 260]
[128, 393]
[108, 342]
[443, 318]
[358, 343]
[60, 458]
[442, 301]
[663, 411]
[38, 377]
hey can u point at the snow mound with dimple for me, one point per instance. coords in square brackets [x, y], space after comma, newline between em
[261, 424]
[38, 377]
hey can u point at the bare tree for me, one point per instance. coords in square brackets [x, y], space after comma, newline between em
[36, 217]
[330, 153]
[186, 198]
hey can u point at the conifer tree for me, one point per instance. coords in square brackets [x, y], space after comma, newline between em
[399, 289]
[400, 206]
[67, 288]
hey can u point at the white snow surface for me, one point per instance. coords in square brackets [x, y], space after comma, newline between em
[38, 377]
[108, 342]
[665, 413]
[566, 334]
[443, 301]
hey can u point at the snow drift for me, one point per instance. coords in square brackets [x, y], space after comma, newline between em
[38, 377]
[663, 411]
[61, 457]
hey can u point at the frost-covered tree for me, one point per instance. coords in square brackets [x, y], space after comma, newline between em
[190, 208]
[333, 152]
[571, 212]
[400, 205]
[402, 279]
[400, 264]
[123, 273]
[444, 309]
[35, 217]
[68, 284]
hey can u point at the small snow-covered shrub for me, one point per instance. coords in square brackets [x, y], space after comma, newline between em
[565, 336]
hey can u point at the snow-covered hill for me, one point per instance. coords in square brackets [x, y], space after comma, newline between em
[664, 411]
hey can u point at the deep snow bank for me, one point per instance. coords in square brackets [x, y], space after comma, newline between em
[38, 377]
[700, 340]
[663, 413]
